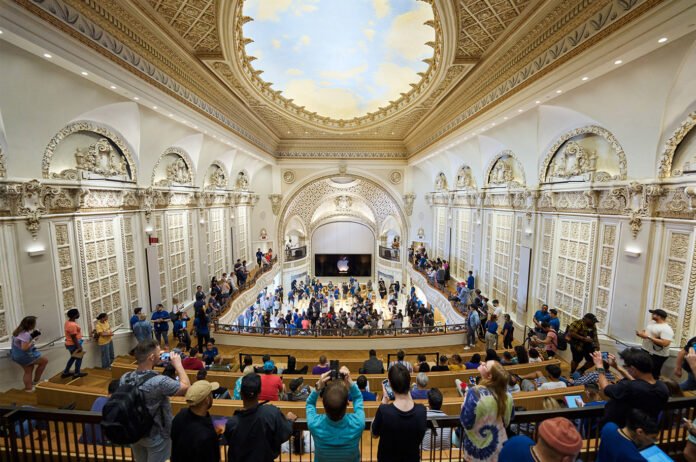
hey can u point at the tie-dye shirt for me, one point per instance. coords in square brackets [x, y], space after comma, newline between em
[484, 431]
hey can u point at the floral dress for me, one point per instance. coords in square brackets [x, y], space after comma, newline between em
[484, 431]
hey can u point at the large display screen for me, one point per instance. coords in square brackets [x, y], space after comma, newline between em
[342, 264]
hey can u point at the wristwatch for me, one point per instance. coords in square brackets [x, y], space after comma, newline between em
[600, 370]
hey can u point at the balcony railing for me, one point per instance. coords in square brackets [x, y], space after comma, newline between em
[41, 434]
[297, 253]
[340, 332]
[250, 282]
[388, 253]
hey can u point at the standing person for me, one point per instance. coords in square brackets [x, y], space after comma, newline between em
[554, 322]
[336, 434]
[583, 341]
[256, 432]
[508, 332]
[259, 256]
[193, 434]
[106, 344]
[557, 441]
[550, 342]
[492, 333]
[473, 322]
[142, 329]
[160, 319]
[657, 336]
[25, 353]
[540, 316]
[470, 281]
[156, 389]
[485, 414]
[638, 389]
[73, 343]
[200, 324]
[400, 425]
[135, 317]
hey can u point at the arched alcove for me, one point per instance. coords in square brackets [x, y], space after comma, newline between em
[504, 170]
[173, 168]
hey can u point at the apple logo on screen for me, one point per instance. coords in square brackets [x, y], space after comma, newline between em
[342, 265]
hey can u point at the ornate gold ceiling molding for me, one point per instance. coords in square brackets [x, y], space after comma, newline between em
[234, 50]
[108, 28]
[571, 27]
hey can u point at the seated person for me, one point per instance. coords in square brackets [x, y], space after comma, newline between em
[491, 355]
[591, 377]
[93, 433]
[538, 381]
[513, 384]
[441, 366]
[422, 365]
[372, 365]
[455, 363]
[534, 356]
[592, 395]
[192, 363]
[557, 440]
[219, 393]
[508, 359]
[322, 367]
[292, 367]
[420, 388]
[210, 354]
[298, 391]
[272, 387]
[474, 363]
[362, 386]
[266, 358]
[247, 361]
[624, 444]
[440, 438]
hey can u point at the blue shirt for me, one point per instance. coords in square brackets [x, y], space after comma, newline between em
[161, 326]
[474, 319]
[517, 449]
[492, 327]
[419, 394]
[541, 316]
[93, 434]
[617, 447]
[133, 320]
[201, 326]
[470, 282]
[337, 440]
[555, 324]
[209, 355]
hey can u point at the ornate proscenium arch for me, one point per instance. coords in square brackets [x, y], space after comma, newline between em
[308, 197]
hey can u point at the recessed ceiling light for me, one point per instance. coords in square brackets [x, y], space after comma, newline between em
[214, 136]
[505, 118]
[196, 127]
[84, 73]
[493, 124]
[537, 102]
[584, 79]
[154, 107]
[47, 55]
[662, 40]
[520, 110]
[171, 115]
[618, 61]
[113, 87]
[559, 91]
[136, 98]
[392, 133]
[0, 32]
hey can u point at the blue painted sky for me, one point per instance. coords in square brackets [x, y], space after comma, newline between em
[340, 58]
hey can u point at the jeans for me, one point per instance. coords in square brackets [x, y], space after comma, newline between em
[689, 383]
[107, 354]
[157, 449]
[160, 334]
[77, 361]
[471, 336]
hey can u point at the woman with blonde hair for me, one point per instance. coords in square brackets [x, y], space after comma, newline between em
[25, 353]
[486, 411]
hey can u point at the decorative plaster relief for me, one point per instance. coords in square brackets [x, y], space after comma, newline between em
[242, 183]
[30, 201]
[395, 177]
[441, 182]
[465, 178]
[275, 199]
[3, 169]
[409, 199]
[177, 169]
[664, 166]
[289, 176]
[217, 178]
[98, 160]
[505, 170]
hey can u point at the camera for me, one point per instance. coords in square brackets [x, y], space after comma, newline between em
[334, 374]
[36, 333]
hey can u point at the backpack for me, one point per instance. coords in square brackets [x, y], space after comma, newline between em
[562, 340]
[125, 417]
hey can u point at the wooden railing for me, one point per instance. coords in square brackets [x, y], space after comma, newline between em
[40, 434]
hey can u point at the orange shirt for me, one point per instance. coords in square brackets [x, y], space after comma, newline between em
[72, 328]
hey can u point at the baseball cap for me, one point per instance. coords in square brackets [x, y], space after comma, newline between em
[268, 366]
[199, 391]
[660, 312]
[591, 317]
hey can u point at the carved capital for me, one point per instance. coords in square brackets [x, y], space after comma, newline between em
[690, 192]
[30, 201]
[636, 224]
[409, 199]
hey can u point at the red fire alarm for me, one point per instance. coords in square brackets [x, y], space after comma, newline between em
[154, 240]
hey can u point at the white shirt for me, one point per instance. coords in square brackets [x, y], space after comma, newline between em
[552, 385]
[499, 312]
[662, 331]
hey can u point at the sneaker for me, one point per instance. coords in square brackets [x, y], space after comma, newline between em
[467, 347]
[65, 375]
[80, 374]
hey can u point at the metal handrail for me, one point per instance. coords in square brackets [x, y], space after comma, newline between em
[338, 332]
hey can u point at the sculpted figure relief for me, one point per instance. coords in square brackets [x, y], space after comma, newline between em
[343, 203]
[100, 159]
[440, 182]
[465, 179]
[177, 172]
[242, 181]
[501, 173]
[574, 161]
[217, 178]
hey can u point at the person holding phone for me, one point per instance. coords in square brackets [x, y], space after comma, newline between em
[73, 343]
[25, 353]
[657, 337]
[624, 444]
[401, 424]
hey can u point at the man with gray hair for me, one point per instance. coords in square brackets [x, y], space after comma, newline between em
[420, 389]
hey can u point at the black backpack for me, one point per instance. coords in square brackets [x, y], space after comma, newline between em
[125, 417]
[562, 340]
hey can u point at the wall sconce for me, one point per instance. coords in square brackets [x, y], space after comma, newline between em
[149, 230]
[632, 252]
[528, 231]
[36, 250]
[202, 221]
